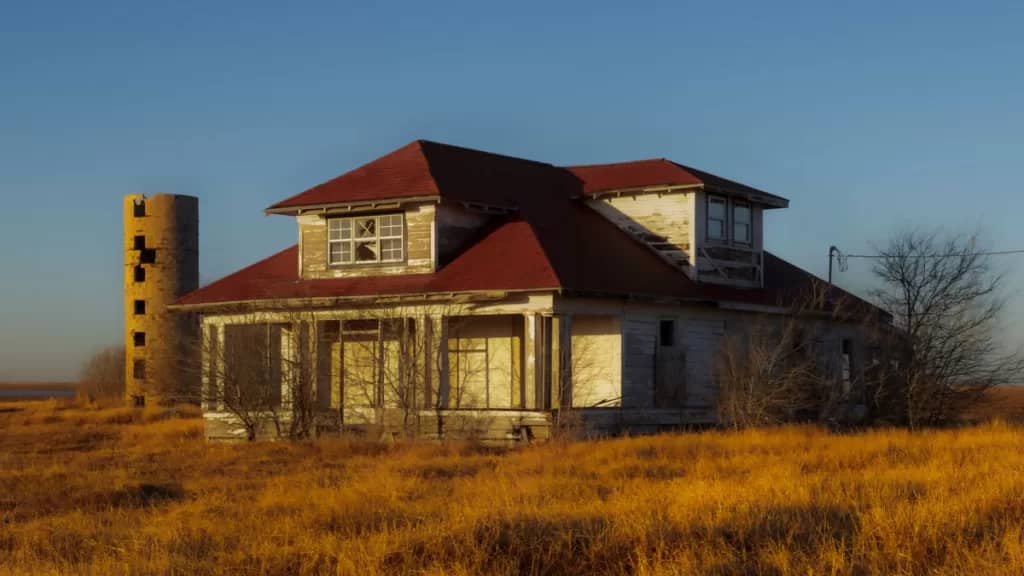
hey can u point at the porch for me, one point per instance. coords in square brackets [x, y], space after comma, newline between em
[492, 375]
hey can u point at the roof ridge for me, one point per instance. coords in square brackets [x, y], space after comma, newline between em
[422, 141]
[659, 159]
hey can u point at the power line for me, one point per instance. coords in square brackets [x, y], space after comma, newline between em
[843, 259]
[949, 255]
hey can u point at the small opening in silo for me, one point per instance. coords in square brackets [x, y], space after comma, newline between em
[140, 274]
[139, 369]
[139, 339]
[140, 307]
[140, 242]
[139, 209]
[147, 256]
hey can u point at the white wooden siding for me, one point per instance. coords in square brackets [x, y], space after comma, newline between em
[702, 338]
[639, 337]
[596, 361]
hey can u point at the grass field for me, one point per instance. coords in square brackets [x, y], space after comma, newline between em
[111, 491]
[16, 391]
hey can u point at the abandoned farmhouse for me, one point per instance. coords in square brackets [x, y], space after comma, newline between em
[439, 290]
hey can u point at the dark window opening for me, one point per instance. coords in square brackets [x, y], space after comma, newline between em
[139, 369]
[140, 274]
[139, 209]
[667, 332]
[139, 339]
[148, 256]
[846, 365]
[140, 242]
[140, 307]
[330, 331]
[359, 325]
[252, 364]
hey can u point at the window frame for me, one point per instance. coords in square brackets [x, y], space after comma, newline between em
[714, 199]
[750, 222]
[729, 222]
[353, 240]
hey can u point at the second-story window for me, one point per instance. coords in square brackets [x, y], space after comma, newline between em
[741, 223]
[730, 221]
[716, 218]
[366, 239]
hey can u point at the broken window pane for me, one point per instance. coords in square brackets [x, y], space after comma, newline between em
[366, 228]
[366, 252]
[366, 239]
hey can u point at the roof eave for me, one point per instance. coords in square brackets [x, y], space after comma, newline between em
[753, 195]
[327, 301]
[647, 189]
[354, 206]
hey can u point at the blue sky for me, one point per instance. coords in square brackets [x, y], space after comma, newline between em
[869, 116]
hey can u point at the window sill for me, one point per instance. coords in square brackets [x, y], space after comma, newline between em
[366, 265]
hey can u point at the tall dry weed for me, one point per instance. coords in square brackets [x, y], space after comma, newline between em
[92, 490]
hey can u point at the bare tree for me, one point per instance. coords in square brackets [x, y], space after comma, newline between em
[767, 374]
[945, 299]
[244, 369]
[102, 376]
[790, 366]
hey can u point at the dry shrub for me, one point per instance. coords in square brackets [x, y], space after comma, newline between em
[102, 376]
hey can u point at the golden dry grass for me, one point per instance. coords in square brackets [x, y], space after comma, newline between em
[112, 491]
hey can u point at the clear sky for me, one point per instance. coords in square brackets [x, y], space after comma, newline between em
[868, 116]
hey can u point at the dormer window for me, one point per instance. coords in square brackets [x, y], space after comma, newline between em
[741, 229]
[366, 239]
[729, 221]
[717, 218]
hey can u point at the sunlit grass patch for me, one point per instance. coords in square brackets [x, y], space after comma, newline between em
[99, 490]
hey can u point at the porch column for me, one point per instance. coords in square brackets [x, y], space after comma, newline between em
[287, 361]
[532, 364]
[420, 356]
[213, 367]
[326, 336]
[443, 384]
[561, 361]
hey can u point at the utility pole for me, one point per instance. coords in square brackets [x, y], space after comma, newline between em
[832, 251]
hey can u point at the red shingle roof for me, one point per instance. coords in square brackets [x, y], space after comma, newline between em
[431, 169]
[553, 242]
[584, 254]
[507, 257]
[660, 172]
